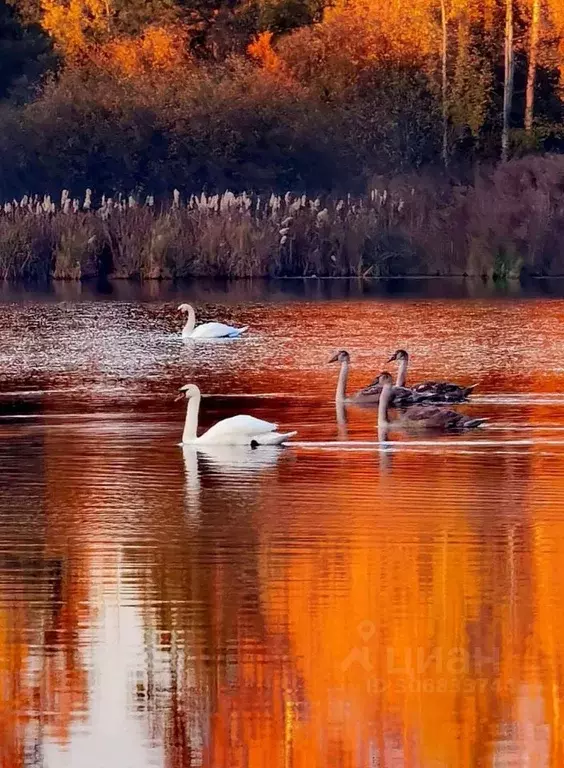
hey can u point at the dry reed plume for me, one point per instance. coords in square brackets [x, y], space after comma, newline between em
[508, 222]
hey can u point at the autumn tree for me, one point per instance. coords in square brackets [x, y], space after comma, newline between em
[270, 92]
[470, 72]
[382, 101]
[73, 24]
[554, 12]
[157, 51]
[261, 50]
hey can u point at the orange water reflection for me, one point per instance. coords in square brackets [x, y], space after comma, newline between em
[310, 607]
[314, 612]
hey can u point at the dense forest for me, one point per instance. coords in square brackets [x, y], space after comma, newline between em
[152, 95]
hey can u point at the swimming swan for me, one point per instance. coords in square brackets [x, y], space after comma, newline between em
[437, 391]
[207, 330]
[425, 416]
[371, 393]
[236, 430]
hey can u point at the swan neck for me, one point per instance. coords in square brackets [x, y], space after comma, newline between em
[190, 323]
[402, 373]
[191, 422]
[341, 393]
[383, 404]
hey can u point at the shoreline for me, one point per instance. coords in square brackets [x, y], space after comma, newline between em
[328, 278]
[226, 291]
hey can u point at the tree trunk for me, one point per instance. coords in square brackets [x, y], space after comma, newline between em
[532, 73]
[508, 85]
[444, 51]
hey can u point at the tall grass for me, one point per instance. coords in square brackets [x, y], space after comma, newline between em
[510, 220]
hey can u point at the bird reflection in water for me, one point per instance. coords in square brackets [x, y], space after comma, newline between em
[385, 448]
[227, 460]
[341, 414]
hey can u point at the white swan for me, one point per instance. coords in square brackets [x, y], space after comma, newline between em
[207, 330]
[236, 430]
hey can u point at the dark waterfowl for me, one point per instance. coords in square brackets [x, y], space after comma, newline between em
[400, 396]
[431, 391]
[422, 416]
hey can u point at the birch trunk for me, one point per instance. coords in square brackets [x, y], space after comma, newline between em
[508, 85]
[444, 53]
[532, 71]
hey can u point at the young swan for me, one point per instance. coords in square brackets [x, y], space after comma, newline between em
[434, 391]
[423, 416]
[207, 330]
[369, 394]
[236, 430]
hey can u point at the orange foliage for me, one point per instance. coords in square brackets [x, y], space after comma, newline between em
[261, 50]
[72, 23]
[356, 38]
[80, 26]
[555, 15]
[159, 49]
[409, 26]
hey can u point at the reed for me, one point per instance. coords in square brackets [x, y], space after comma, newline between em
[509, 221]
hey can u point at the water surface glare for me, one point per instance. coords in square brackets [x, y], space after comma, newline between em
[340, 602]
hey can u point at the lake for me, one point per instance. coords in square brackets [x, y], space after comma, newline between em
[337, 602]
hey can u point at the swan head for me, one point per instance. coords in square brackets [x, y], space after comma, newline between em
[385, 379]
[184, 308]
[341, 357]
[188, 391]
[399, 354]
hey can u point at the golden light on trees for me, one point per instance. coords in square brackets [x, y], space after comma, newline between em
[157, 50]
[74, 23]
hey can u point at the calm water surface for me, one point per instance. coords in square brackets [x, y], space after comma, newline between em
[335, 603]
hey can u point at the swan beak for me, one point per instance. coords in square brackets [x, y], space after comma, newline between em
[179, 397]
[391, 359]
[334, 359]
